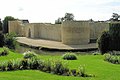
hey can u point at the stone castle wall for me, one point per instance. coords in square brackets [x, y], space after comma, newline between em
[75, 32]
[15, 27]
[96, 28]
[47, 31]
[69, 32]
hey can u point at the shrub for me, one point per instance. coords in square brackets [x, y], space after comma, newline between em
[29, 54]
[114, 31]
[81, 72]
[59, 69]
[69, 56]
[103, 42]
[112, 58]
[109, 40]
[3, 66]
[4, 52]
[33, 63]
[10, 40]
[16, 64]
[56, 67]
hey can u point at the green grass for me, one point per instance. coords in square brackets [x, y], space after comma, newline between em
[94, 65]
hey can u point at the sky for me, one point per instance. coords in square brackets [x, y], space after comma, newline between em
[49, 10]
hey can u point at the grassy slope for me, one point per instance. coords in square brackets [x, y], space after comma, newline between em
[94, 65]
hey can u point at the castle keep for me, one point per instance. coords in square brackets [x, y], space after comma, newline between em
[69, 32]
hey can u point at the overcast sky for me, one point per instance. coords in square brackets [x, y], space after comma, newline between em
[50, 10]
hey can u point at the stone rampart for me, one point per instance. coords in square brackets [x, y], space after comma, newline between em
[75, 32]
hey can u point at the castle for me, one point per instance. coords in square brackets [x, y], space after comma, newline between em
[69, 32]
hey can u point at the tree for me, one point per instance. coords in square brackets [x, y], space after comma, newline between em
[69, 17]
[58, 21]
[115, 17]
[5, 23]
[1, 40]
[0, 25]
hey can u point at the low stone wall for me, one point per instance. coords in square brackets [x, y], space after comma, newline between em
[75, 32]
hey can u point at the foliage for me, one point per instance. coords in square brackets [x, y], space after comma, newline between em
[5, 23]
[93, 64]
[112, 58]
[29, 54]
[69, 56]
[0, 25]
[69, 17]
[109, 40]
[4, 52]
[55, 67]
[115, 17]
[10, 40]
[59, 68]
[103, 42]
[114, 32]
[1, 40]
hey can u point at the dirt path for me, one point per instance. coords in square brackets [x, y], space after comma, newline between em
[53, 44]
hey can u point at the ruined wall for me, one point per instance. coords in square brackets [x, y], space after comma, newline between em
[29, 30]
[16, 27]
[47, 31]
[96, 28]
[75, 32]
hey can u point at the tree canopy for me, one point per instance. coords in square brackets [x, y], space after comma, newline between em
[67, 17]
[5, 23]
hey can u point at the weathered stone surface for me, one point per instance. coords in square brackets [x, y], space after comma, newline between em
[75, 32]
[69, 32]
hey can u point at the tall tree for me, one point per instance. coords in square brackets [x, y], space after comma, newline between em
[5, 23]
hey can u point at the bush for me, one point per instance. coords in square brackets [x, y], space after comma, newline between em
[4, 52]
[33, 63]
[56, 67]
[10, 40]
[69, 56]
[1, 40]
[29, 54]
[103, 42]
[81, 72]
[110, 40]
[112, 58]
[59, 69]
[114, 32]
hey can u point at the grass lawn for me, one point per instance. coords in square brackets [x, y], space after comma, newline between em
[94, 64]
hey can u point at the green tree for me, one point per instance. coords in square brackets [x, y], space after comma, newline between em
[0, 25]
[5, 23]
[69, 17]
[1, 40]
